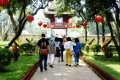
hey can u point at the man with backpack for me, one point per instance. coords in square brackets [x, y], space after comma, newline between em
[43, 52]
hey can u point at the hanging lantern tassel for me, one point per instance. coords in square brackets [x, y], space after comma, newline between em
[3, 3]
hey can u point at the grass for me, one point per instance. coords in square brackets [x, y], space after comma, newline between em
[3, 43]
[111, 66]
[17, 69]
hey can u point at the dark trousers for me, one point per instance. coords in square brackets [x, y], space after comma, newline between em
[61, 55]
[43, 57]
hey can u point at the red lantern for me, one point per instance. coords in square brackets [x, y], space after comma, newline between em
[77, 26]
[44, 25]
[98, 18]
[40, 23]
[84, 24]
[3, 3]
[30, 18]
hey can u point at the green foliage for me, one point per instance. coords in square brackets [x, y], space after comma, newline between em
[112, 67]
[96, 48]
[108, 51]
[83, 45]
[5, 57]
[16, 70]
[27, 48]
[63, 7]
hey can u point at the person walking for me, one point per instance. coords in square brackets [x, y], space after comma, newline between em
[77, 48]
[69, 51]
[61, 49]
[57, 44]
[51, 55]
[43, 52]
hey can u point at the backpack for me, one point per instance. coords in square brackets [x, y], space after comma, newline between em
[43, 48]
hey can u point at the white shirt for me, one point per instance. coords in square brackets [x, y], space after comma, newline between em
[69, 45]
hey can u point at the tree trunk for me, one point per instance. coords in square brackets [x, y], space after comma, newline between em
[85, 34]
[18, 34]
[103, 32]
[13, 22]
[117, 17]
[112, 36]
[5, 38]
[97, 33]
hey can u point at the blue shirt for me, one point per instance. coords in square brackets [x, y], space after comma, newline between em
[57, 44]
[77, 47]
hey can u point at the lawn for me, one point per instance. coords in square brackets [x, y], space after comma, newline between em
[2, 44]
[111, 66]
[17, 69]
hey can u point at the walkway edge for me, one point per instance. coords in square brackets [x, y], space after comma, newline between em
[30, 72]
[99, 71]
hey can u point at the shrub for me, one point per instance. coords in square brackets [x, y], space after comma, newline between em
[96, 48]
[108, 51]
[83, 45]
[27, 47]
[5, 57]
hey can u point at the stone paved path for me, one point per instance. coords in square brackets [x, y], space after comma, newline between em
[62, 72]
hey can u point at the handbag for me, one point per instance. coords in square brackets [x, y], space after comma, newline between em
[80, 53]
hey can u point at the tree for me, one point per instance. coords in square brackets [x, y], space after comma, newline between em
[5, 25]
[75, 7]
[21, 7]
[99, 7]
